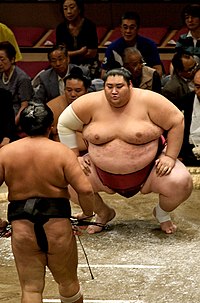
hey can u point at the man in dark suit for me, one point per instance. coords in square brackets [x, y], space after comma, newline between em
[50, 83]
[181, 82]
[7, 118]
[190, 105]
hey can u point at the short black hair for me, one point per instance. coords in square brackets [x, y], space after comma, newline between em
[77, 73]
[9, 49]
[119, 72]
[190, 10]
[131, 16]
[177, 59]
[61, 47]
[35, 119]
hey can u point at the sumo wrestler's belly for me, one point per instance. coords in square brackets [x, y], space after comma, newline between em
[120, 157]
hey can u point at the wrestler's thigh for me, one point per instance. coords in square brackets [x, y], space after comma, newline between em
[179, 178]
[30, 261]
[62, 253]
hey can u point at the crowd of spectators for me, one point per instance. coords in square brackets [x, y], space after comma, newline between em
[74, 71]
[77, 47]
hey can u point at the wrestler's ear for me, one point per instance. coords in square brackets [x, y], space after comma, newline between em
[130, 83]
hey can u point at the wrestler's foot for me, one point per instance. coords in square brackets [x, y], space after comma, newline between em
[167, 226]
[103, 219]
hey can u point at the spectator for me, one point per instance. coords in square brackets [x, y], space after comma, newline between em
[76, 85]
[190, 105]
[49, 84]
[13, 79]
[191, 40]
[7, 35]
[181, 81]
[80, 35]
[130, 25]
[7, 118]
[143, 76]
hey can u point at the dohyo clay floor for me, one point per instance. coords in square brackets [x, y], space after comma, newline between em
[132, 261]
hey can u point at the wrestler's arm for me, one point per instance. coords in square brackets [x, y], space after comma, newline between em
[68, 124]
[72, 119]
[1, 169]
[166, 115]
[78, 180]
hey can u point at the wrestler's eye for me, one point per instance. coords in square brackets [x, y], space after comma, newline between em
[119, 86]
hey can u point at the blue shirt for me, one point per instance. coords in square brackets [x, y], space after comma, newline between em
[115, 50]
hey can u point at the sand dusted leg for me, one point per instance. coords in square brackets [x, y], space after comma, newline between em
[173, 189]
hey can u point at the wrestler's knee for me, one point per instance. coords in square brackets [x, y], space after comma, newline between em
[181, 184]
[33, 288]
[73, 298]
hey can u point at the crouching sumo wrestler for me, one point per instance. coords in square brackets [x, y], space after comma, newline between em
[37, 172]
[123, 127]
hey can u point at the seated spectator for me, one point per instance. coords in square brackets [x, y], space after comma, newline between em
[76, 85]
[181, 82]
[191, 40]
[7, 35]
[50, 83]
[190, 106]
[80, 35]
[143, 76]
[14, 79]
[7, 118]
[130, 25]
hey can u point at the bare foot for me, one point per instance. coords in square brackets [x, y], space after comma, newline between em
[103, 219]
[168, 226]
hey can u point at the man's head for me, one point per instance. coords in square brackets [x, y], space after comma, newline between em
[36, 119]
[76, 84]
[191, 16]
[197, 83]
[184, 64]
[117, 87]
[59, 59]
[133, 61]
[130, 23]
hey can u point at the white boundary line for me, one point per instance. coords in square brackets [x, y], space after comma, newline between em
[136, 266]
[96, 301]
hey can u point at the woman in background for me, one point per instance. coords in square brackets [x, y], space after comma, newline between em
[80, 36]
[14, 79]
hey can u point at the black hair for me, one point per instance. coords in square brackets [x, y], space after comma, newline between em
[119, 72]
[79, 3]
[61, 47]
[9, 49]
[131, 16]
[35, 119]
[190, 10]
[77, 73]
[177, 59]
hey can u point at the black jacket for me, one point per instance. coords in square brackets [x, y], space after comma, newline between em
[7, 116]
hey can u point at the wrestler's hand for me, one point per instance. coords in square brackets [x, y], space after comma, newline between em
[164, 165]
[85, 164]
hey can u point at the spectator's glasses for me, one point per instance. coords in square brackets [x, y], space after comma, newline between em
[193, 69]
